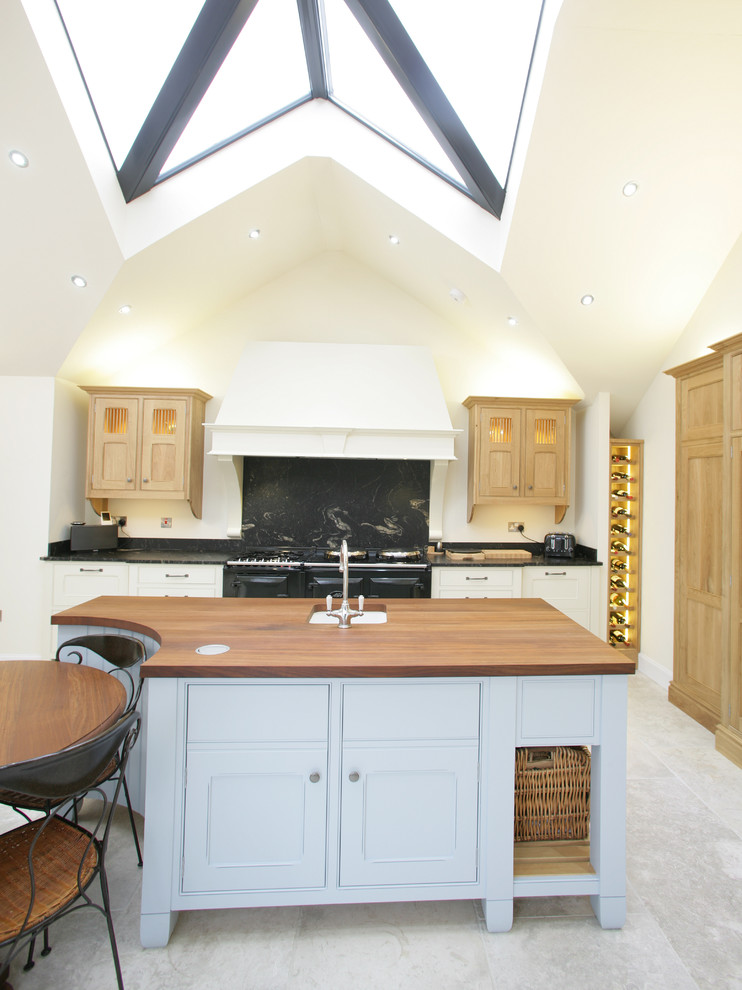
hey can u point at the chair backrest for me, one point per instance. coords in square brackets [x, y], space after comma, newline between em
[118, 650]
[72, 771]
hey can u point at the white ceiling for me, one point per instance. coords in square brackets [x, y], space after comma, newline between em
[649, 90]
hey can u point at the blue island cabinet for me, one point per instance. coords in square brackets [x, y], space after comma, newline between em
[289, 791]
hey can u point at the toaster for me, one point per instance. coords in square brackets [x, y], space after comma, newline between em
[559, 545]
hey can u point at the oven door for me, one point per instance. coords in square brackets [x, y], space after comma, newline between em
[391, 584]
[320, 584]
[263, 583]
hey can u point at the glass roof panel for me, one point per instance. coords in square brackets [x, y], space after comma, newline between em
[362, 82]
[264, 73]
[125, 49]
[480, 54]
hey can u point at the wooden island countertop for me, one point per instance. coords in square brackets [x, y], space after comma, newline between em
[421, 638]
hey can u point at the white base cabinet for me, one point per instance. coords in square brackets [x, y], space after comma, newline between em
[573, 590]
[276, 792]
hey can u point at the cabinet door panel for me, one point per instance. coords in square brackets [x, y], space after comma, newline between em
[500, 439]
[545, 453]
[164, 438]
[254, 820]
[410, 817]
[702, 405]
[113, 455]
[699, 569]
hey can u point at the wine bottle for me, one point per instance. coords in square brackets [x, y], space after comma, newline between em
[620, 459]
[619, 510]
[620, 530]
[617, 582]
[617, 619]
[618, 602]
[618, 547]
[619, 565]
[618, 637]
[621, 476]
[623, 495]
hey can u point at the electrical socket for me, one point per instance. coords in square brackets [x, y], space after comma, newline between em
[166, 522]
[515, 527]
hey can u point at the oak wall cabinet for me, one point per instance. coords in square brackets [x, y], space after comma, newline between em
[625, 545]
[707, 679]
[519, 451]
[145, 443]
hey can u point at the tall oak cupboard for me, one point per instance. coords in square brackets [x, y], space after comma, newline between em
[707, 664]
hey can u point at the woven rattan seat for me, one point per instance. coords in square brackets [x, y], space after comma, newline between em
[58, 855]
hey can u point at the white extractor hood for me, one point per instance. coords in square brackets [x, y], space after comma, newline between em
[334, 400]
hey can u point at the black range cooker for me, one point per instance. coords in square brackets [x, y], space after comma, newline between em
[290, 572]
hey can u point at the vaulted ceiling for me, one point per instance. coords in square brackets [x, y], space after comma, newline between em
[644, 90]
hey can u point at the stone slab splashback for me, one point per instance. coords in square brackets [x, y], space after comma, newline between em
[320, 501]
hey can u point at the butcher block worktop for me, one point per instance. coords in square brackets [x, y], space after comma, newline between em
[422, 638]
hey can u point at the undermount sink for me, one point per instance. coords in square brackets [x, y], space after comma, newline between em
[373, 616]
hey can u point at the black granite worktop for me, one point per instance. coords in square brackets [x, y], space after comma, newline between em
[160, 551]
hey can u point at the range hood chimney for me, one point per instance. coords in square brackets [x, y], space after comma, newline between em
[333, 400]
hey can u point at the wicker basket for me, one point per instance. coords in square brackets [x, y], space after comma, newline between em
[552, 793]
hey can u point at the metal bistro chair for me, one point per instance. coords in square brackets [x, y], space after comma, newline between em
[47, 865]
[121, 652]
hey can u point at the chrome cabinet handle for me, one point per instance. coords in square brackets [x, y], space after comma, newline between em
[555, 573]
[354, 776]
[129, 480]
[145, 479]
[92, 570]
[177, 575]
[314, 777]
[485, 577]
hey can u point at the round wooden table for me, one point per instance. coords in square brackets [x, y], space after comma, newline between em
[46, 706]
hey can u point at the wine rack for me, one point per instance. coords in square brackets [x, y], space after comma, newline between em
[625, 545]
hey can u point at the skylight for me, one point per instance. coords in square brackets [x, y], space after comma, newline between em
[172, 83]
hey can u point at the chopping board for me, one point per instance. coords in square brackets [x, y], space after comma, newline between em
[480, 556]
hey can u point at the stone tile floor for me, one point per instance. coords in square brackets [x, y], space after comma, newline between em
[683, 930]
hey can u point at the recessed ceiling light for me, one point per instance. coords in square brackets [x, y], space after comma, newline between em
[254, 234]
[587, 300]
[18, 158]
[125, 310]
[630, 188]
[512, 321]
[393, 239]
[457, 295]
[79, 281]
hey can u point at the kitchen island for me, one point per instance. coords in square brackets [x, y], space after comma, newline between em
[304, 764]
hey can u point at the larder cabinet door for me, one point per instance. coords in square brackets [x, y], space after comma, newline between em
[735, 652]
[500, 445]
[545, 458]
[164, 436]
[700, 578]
[114, 442]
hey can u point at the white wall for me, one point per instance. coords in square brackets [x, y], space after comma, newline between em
[27, 415]
[591, 453]
[718, 316]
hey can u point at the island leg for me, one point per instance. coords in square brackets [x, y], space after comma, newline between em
[161, 811]
[608, 806]
[498, 804]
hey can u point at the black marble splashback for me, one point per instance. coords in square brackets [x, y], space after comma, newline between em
[297, 501]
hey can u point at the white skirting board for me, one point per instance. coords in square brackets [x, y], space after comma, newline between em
[654, 671]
